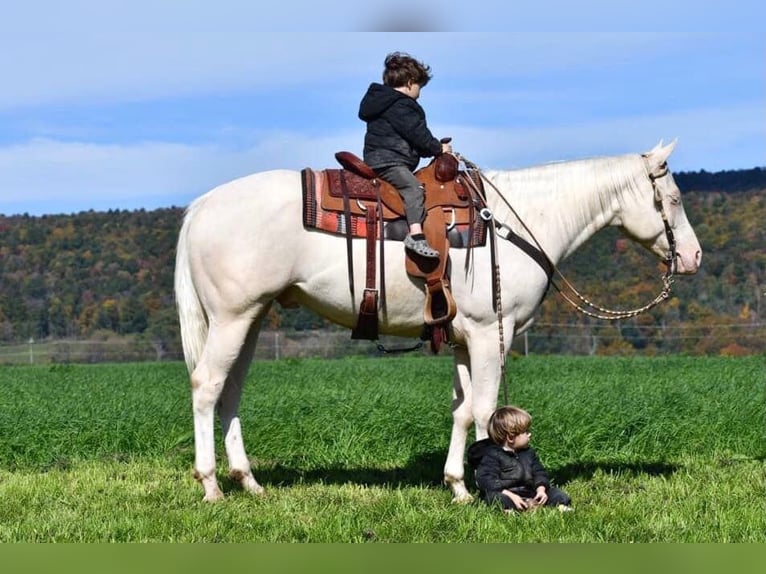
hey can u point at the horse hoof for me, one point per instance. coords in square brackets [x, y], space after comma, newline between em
[250, 485]
[460, 494]
[247, 482]
[209, 485]
[214, 496]
[464, 498]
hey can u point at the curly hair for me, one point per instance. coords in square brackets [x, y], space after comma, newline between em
[401, 68]
[508, 422]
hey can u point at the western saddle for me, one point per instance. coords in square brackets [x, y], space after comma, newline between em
[359, 204]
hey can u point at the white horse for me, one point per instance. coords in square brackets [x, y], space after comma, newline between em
[242, 246]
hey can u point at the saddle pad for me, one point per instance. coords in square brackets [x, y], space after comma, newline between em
[462, 235]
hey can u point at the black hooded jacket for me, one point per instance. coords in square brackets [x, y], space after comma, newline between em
[497, 469]
[397, 133]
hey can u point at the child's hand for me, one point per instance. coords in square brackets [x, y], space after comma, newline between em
[518, 501]
[541, 497]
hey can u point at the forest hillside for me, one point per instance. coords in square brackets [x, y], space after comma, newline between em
[86, 275]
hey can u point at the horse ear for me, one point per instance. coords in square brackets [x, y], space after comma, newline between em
[660, 154]
[654, 150]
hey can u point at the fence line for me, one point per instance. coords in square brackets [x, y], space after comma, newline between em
[543, 338]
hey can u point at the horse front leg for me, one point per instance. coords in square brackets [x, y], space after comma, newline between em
[462, 418]
[475, 388]
[486, 371]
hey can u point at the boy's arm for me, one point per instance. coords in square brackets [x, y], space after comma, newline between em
[539, 474]
[488, 475]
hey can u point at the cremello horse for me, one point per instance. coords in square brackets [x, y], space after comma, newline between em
[242, 246]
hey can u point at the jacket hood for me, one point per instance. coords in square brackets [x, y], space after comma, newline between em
[477, 451]
[377, 100]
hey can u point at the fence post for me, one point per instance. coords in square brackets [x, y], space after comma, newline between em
[276, 345]
[526, 343]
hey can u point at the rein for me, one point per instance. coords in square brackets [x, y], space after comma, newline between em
[667, 278]
[585, 305]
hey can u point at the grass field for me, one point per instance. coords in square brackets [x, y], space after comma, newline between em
[664, 449]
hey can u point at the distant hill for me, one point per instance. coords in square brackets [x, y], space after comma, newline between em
[732, 181]
[69, 276]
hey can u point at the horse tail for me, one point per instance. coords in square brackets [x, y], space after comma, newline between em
[191, 315]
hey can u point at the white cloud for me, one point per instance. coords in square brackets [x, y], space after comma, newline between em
[47, 176]
[74, 176]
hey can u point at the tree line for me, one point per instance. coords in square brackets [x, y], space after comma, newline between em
[70, 276]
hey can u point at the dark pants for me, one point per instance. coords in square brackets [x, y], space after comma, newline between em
[556, 496]
[409, 188]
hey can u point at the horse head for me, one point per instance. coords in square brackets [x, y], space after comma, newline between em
[656, 219]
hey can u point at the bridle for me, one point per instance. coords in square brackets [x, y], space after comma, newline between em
[670, 260]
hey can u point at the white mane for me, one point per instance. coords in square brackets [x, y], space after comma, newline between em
[569, 196]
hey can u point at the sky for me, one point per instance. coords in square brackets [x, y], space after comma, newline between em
[147, 104]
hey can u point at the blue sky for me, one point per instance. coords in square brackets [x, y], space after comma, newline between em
[127, 105]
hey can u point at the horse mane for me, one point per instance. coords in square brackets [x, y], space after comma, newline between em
[567, 195]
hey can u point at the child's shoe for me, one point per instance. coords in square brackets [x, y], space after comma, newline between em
[421, 247]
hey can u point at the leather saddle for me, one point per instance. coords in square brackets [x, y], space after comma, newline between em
[355, 193]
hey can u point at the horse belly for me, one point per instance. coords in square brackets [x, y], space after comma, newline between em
[324, 285]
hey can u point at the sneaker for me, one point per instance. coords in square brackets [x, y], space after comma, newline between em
[421, 247]
[565, 508]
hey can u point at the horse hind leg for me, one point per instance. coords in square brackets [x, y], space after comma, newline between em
[228, 407]
[224, 345]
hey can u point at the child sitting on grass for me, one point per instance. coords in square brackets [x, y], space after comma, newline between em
[507, 471]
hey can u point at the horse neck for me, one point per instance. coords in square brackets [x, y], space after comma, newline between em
[564, 204]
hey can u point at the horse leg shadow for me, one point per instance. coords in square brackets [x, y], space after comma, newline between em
[424, 469]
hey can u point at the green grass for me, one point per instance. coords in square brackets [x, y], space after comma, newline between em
[666, 449]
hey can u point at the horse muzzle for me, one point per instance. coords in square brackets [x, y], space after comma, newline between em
[688, 262]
